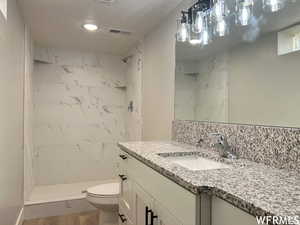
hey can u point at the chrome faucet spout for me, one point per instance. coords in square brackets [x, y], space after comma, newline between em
[223, 146]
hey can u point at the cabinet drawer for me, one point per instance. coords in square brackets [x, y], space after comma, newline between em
[122, 159]
[176, 199]
[126, 197]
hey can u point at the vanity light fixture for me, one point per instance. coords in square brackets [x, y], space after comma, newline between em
[204, 16]
[90, 27]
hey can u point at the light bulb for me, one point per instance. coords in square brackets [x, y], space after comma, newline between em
[198, 25]
[184, 32]
[205, 37]
[273, 5]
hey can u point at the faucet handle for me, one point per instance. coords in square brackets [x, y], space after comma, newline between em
[199, 142]
[217, 135]
[221, 137]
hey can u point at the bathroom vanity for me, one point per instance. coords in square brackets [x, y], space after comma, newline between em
[161, 190]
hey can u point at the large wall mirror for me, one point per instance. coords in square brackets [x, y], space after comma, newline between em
[249, 76]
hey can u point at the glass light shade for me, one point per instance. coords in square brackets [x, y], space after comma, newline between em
[244, 11]
[195, 38]
[183, 31]
[206, 36]
[220, 10]
[197, 26]
[221, 28]
[273, 5]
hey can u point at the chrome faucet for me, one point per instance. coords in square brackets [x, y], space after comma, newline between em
[223, 146]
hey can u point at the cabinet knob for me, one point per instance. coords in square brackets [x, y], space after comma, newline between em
[123, 157]
[152, 216]
[122, 218]
[123, 177]
[147, 211]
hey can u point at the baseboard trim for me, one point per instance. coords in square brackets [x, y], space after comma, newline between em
[20, 217]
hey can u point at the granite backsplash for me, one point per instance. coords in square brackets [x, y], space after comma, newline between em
[278, 147]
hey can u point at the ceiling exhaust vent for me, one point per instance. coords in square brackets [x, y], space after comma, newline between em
[105, 1]
[121, 32]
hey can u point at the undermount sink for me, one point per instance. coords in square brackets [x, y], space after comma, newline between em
[195, 163]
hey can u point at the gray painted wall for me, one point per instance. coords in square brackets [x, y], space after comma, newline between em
[158, 83]
[264, 87]
[12, 39]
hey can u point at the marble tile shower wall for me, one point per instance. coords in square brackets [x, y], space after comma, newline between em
[79, 113]
[133, 119]
[274, 146]
[202, 89]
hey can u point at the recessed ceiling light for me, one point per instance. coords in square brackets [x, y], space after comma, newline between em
[90, 27]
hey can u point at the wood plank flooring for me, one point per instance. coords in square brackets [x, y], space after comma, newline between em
[87, 218]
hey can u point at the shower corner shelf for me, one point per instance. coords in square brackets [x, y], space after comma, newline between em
[121, 87]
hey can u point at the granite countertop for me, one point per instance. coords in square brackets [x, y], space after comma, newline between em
[255, 188]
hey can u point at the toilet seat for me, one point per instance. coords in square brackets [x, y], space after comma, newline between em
[108, 190]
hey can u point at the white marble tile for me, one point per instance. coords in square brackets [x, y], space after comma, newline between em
[79, 116]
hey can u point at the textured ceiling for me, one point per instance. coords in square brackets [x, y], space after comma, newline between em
[57, 23]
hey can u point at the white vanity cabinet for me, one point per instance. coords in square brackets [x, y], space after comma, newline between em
[148, 198]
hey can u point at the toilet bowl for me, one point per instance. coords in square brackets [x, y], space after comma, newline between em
[105, 198]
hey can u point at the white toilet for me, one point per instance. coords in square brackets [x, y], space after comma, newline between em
[105, 197]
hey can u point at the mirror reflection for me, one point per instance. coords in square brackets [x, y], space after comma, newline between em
[246, 70]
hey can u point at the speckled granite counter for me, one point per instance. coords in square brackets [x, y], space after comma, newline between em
[255, 188]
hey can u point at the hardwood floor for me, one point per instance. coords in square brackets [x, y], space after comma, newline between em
[87, 218]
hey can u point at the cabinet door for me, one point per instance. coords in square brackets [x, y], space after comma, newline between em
[143, 205]
[164, 216]
[123, 218]
[224, 213]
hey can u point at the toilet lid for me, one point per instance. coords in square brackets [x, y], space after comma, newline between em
[109, 189]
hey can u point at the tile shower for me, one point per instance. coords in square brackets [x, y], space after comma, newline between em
[80, 107]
